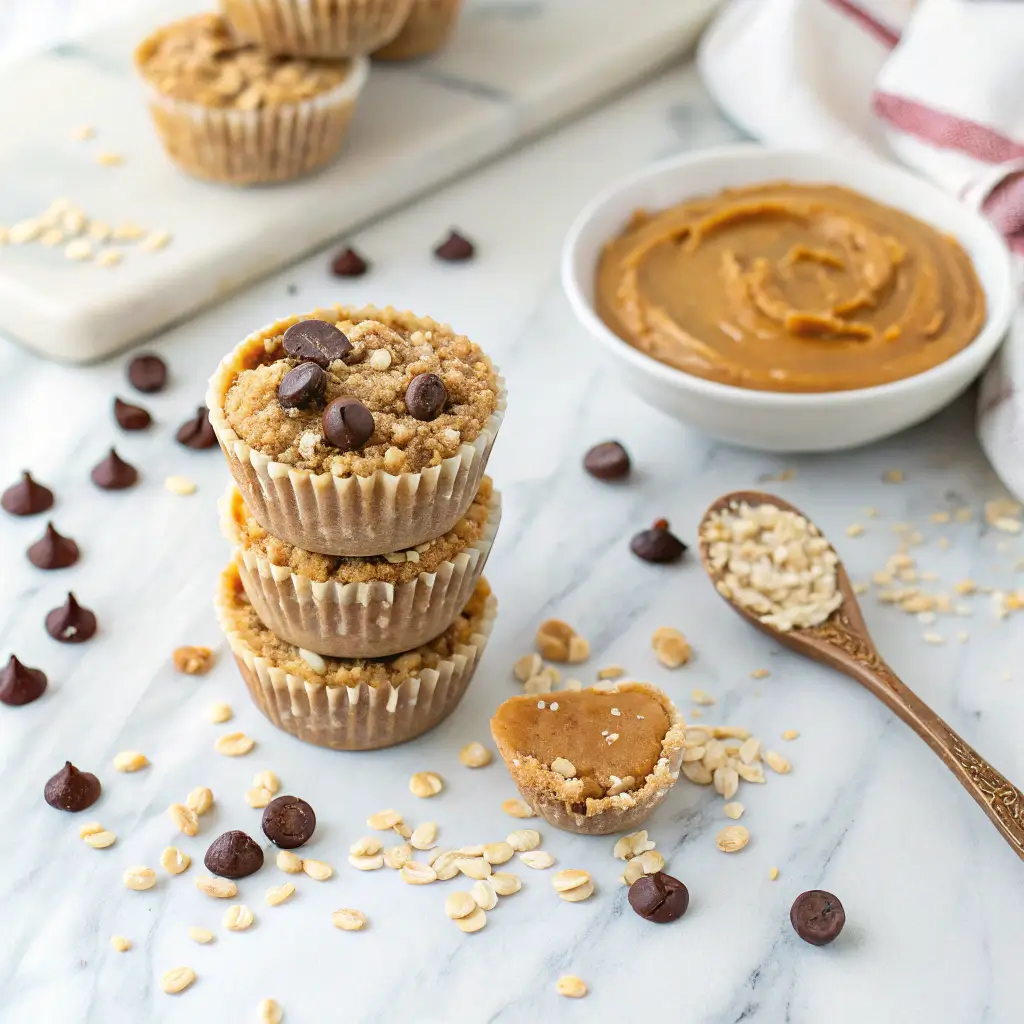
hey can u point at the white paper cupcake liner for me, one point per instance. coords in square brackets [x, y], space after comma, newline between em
[316, 28]
[426, 30]
[359, 620]
[255, 147]
[356, 717]
[348, 515]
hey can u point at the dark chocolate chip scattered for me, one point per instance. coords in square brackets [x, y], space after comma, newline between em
[147, 373]
[26, 497]
[455, 249]
[817, 917]
[131, 417]
[197, 432]
[20, 684]
[659, 897]
[657, 544]
[72, 790]
[113, 473]
[607, 461]
[234, 855]
[288, 822]
[302, 386]
[348, 424]
[349, 264]
[53, 550]
[71, 623]
[426, 396]
[316, 341]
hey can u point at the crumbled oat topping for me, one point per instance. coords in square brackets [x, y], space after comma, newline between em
[196, 661]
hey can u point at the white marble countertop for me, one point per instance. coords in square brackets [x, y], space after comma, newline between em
[933, 895]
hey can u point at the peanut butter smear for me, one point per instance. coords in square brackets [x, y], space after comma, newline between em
[786, 287]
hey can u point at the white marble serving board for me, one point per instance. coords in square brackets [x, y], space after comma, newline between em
[512, 70]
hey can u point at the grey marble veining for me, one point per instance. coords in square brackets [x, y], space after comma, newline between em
[933, 894]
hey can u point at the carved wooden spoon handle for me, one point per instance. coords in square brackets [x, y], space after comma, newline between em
[997, 796]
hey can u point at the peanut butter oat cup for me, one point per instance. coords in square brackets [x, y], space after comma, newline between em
[427, 29]
[354, 704]
[317, 28]
[350, 515]
[563, 801]
[371, 618]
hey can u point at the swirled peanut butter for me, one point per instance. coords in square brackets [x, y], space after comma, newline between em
[787, 287]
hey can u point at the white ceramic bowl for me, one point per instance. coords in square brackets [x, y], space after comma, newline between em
[770, 420]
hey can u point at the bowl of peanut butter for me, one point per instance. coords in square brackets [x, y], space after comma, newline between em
[789, 300]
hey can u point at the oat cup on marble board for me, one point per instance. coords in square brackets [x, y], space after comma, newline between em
[428, 27]
[626, 738]
[317, 28]
[381, 449]
[362, 606]
[231, 114]
[354, 704]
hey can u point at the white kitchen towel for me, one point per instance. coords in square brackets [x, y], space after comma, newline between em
[935, 84]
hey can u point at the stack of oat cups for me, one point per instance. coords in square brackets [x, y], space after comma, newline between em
[360, 520]
[264, 91]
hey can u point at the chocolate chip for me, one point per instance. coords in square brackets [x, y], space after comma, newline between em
[657, 544]
[20, 684]
[26, 497]
[113, 473]
[131, 417]
[197, 432]
[455, 248]
[425, 396]
[348, 424]
[71, 623]
[233, 855]
[288, 822]
[349, 264]
[302, 386]
[316, 340]
[817, 917]
[72, 790]
[607, 461]
[659, 897]
[53, 551]
[147, 373]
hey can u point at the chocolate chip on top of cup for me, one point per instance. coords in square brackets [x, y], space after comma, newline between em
[356, 396]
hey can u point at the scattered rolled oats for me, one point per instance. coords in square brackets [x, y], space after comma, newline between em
[671, 648]
[773, 873]
[238, 917]
[424, 836]
[538, 859]
[220, 713]
[396, 856]
[426, 784]
[611, 672]
[527, 666]
[777, 762]
[696, 772]
[109, 257]
[289, 861]
[523, 839]
[78, 250]
[475, 755]
[269, 1012]
[733, 810]
[726, 781]
[517, 808]
[174, 861]
[563, 767]
[130, 761]
[474, 867]
[185, 819]
[571, 986]
[460, 904]
[701, 698]
[218, 888]
[750, 772]
[318, 870]
[108, 159]
[234, 744]
[505, 883]
[650, 860]
[401, 829]
[139, 878]
[569, 878]
[416, 873]
[760, 673]
[348, 920]
[201, 935]
[180, 485]
[177, 979]
[120, 944]
[732, 839]
[277, 894]
[384, 821]
[751, 750]
[155, 240]
[258, 797]
[790, 734]
[200, 799]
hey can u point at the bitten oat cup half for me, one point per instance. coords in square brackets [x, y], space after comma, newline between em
[350, 514]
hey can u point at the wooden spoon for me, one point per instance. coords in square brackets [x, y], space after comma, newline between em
[843, 642]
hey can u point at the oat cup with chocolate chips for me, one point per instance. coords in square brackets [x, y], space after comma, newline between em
[365, 606]
[426, 30]
[229, 112]
[357, 431]
[358, 703]
[317, 28]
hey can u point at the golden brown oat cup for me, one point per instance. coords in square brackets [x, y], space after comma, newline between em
[427, 29]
